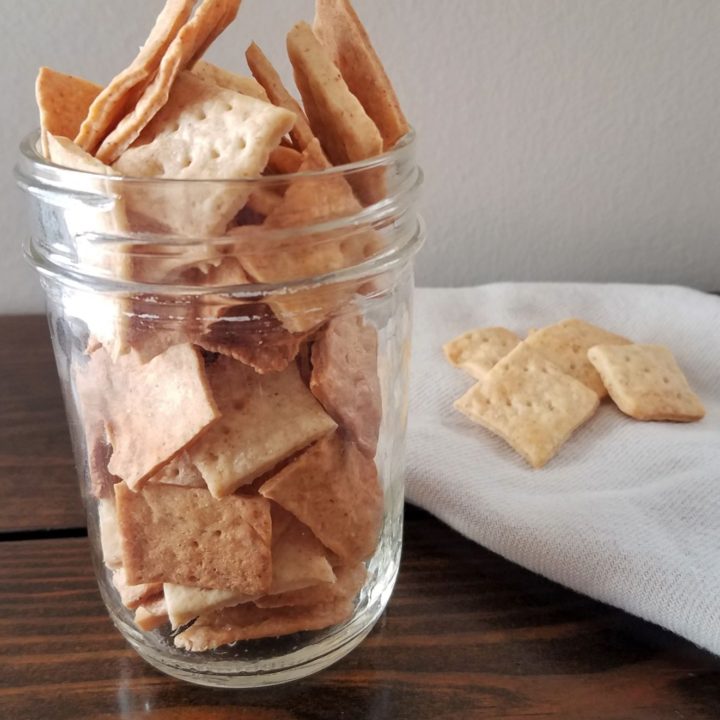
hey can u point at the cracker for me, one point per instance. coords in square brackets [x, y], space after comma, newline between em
[63, 101]
[566, 345]
[349, 580]
[334, 490]
[298, 557]
[254, 336]
[230, 81]
[179, 471]
[336, 116]
[109, 533]
[186, 603]
[208, 21]
[264, 201]
[310, 200]
[285, 160]
[151, 615]
[117, 99]
[530, 403]
[99, 452]
[185, 536]
[151, 411]
[646, 383]
[249, 622]
[339, 29]
[132, 596]
[345, 377]
[265, 419]
[478, 351]
[264, 72]
[203, 132]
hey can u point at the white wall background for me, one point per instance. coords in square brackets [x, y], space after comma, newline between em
[562, 139]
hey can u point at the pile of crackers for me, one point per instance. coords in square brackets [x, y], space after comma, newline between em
[535, 393]
[233, 463]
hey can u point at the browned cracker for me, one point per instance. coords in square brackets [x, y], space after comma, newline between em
[151, 615]
[265, 419]
[530, 403]
[336, 116]
[186, 537]
[248, 622]
[477, 351]
[63, 101]
[186, 603]
[208, 21]
[285, 160]
[151, 411]
[349, 580]
[339, 29]
[264, 72]
[345, 377]
[203, 132]
[132, 596]
[230, 81]
[566, 345]
[334, 490]
[646, 383]
[118, 98]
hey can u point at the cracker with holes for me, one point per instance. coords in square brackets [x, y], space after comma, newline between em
[203, 132]
[333, 489]
[249, 622]
[478, 351]
[530, 403]
[345, 377]
[265, 419]
[566, 345]
[646, 383]
[185, 536]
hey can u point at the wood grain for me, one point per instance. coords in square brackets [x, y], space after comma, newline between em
[467, 635]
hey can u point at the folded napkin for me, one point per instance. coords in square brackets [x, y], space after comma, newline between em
[627, 512]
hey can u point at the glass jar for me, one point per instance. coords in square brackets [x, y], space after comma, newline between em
[234, 358]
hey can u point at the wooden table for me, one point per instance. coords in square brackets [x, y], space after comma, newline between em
[466, 635]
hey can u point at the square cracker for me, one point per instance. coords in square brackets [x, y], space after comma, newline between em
[345, 377]
[151, 411]
[478, 351]
[336, 116]
[265, 419]
[646, 383]
[339, 29]
[63, 101]
[530, 403]
[123, 91]
[186, 603]
[334, 490]
[249, 622]
[203, 132]
[230, 81]
[566, 345]
[209, 20]
[185, 536]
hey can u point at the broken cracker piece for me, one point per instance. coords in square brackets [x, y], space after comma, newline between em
[132, 596]
[230, 81]
[345, 377]
[646, 383]
[530, 403]
[109, 533]
[265, 419]
[478, 351]
[151, 615]
[339, 29]
[334, 490]
[566, 345]
[179, 471]
[285, 160]
[186, 603]
[185, 536]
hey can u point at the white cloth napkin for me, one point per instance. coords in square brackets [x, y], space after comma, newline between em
[627, 512]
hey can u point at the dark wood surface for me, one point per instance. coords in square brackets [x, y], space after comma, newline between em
[466, 635]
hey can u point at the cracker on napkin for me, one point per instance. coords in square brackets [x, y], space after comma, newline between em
[646, 383]
[333, 489]
[530, 403]
[186, 603]
[186, 537]
[478, 351]
[265, 419]
[345, 377]
[343, 35]
[566, 345]
[248, 622]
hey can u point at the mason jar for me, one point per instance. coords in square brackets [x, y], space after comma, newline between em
[234, 361]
